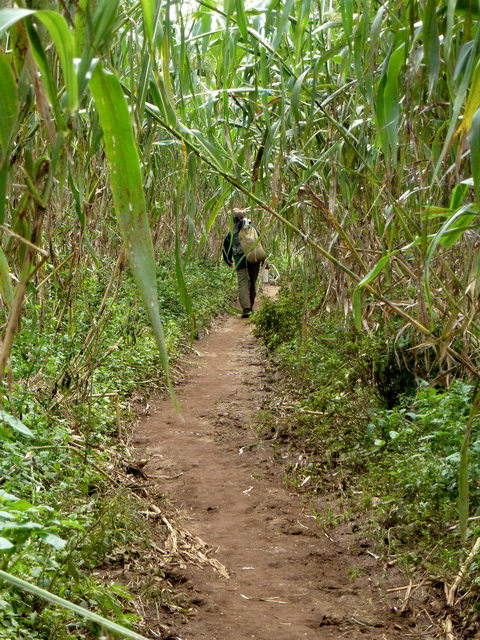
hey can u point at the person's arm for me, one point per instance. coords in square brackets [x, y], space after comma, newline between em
[227, 250]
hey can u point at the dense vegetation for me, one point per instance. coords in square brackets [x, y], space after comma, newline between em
[352, 129]
[62, 510]
[366, 426]
[369, 443]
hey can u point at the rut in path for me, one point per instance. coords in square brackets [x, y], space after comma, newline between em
[288, 580]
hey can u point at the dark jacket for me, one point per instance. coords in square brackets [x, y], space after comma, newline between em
[232, 250]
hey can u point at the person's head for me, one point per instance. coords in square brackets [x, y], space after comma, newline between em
[239, 217]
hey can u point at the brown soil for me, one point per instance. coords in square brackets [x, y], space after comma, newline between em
[288, 578]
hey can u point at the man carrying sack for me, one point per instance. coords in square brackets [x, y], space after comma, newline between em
[242, 249]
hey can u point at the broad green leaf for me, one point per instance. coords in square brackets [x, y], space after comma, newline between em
[6, 288]
[162, 99]
[70, 606]
[346, 9]
[447, 41]
[217, 203]
[296, 95]
[7, 497]
[371, 275]
[148, 10]
[8, 119]
[475, 154]
[8, 106]
[242, 19]
[431, 44]
[128, 196]
[20, 505]
[460, 93]
[54, 541]
[301, 28]
[458, 194]
[62, 38]
[283, 23]
[9, 17]
[80, 27]
[22, 527]
[5, 545]
[473, 104]
[103, 21]
[388, 109]
[15, 424]
[449, 233]
[101, 28]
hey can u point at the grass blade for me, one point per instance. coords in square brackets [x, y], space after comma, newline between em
[62, 38]
[8, 118]
[128, 196]
[431, 43]
[475, 154]
[6, 288]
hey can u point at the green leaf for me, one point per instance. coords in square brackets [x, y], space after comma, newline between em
[469, 54]
[5, 545]
[8, 119]
[388, 104]
[431, 45]
[62, 38]
[8, 17]
[458, 194]
[15, 424]
[54, 541]
[148, 11]
[463, 479]
[101, 25]
[242, 19]
[296, 94]
[80, 27]
[357, 308]
[475, 154]
[6, 288]
[8, 105]
[283, 23]
[7, 497]
[103, 21]
[128, 196]
[70, 606]
[376, 270]
[78, 199]
[346, 9]
[20, 505]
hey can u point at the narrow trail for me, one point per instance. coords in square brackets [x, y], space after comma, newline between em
[288, 580]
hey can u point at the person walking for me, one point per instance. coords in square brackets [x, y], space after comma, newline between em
[234, 256]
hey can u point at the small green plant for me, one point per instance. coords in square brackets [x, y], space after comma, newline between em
[353, 573]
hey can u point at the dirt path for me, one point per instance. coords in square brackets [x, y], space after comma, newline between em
[288, 580]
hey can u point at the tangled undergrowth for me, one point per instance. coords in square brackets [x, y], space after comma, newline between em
[68, 504]
[361, 423]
